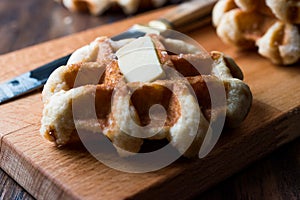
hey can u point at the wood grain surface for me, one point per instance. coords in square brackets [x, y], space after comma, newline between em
[275, 178]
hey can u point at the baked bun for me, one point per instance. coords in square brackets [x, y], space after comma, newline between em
[270, 25]
[97, 7]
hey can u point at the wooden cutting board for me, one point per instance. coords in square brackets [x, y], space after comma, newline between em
[49, 173]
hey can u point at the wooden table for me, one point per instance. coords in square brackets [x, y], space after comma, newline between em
[25, 23]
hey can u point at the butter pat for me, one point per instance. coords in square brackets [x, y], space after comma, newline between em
[139, 62]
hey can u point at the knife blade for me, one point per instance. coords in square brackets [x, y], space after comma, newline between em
[35, 79]
[180, 16]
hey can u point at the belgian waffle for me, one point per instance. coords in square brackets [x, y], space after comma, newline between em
[272, 26]
[121, 106]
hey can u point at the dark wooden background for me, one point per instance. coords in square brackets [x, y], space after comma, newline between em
[28, 22]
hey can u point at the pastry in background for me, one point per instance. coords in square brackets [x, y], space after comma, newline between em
[273, 26]
[98, 7]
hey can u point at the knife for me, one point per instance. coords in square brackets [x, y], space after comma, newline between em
[183, 17]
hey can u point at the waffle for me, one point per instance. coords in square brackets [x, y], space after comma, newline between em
[97, 7]
[121, 106]
[272, 26]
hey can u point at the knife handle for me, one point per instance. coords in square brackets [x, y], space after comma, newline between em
[186, 16]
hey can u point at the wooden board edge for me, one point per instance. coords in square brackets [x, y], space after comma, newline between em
[25, 172]
[284, 127]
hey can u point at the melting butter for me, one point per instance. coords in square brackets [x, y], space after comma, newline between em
[139, 62]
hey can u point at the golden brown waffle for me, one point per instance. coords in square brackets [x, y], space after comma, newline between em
[93, 71]
[97, 7]
[271, 25]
